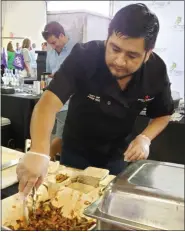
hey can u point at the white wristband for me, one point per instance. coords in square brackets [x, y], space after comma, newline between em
[39, 154]
[146, 138]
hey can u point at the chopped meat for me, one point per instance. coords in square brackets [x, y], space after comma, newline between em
[60, 178]
[48, 217]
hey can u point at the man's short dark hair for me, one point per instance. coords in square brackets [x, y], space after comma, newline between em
[136, 21]
[53, 28]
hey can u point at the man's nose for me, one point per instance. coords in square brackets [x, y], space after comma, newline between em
[120, 60]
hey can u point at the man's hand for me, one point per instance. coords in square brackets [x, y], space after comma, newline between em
[138, 149]
[31, 171]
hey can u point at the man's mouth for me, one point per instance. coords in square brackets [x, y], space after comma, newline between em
[118, 68]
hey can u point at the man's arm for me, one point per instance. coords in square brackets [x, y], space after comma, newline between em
[42, 122]
[159, 110]
[139, 147]
[32, 168]
[156, 126]
[34, 164]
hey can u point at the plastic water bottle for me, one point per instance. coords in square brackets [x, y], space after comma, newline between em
[14, 81]
[4, 78]
[16, 72]
[21, 81]
[8, 77]
[16, 78]
[11, 72]
[11, 77]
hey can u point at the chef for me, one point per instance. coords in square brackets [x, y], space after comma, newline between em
[110, 82]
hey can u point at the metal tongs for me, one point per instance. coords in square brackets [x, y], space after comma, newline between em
[25, 208]
[34, 199]
[25, 212]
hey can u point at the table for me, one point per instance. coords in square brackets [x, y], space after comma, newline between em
[9, 184]
[18, 108]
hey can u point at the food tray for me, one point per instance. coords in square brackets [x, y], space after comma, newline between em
[60, 194]
[151, 194]
[12, 209]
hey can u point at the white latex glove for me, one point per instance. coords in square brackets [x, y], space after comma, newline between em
[138, 149]
[31, 171]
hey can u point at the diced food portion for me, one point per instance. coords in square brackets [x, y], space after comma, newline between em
[61, 177]
[49, 217]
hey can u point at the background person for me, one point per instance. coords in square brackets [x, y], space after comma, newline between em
[10, 56]
[26, 47]
[56, 37]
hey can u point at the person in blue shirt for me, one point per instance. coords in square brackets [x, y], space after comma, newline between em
[55, 36]
[60, 45]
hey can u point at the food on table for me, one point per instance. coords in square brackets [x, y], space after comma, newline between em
[61, 177]
[49, 217]
[53, 167]
[61, 201]
[99, 173]
[92, 176]
[84, 188]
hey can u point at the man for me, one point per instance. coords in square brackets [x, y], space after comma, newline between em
[110, 83]
[55, 36]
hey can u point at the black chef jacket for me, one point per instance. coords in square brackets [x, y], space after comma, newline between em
[101, 115]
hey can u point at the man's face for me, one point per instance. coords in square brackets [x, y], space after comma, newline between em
[56, 43]
[125, 55]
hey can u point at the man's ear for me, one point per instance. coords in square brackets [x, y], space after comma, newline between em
[148, 55]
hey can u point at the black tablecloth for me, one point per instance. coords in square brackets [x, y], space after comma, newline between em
[169, 146]
[18, 109]
[9, 191]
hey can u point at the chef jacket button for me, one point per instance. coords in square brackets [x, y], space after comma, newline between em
[109, 103]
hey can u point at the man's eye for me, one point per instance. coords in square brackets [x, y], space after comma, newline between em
[115, 49]
[131, 56]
